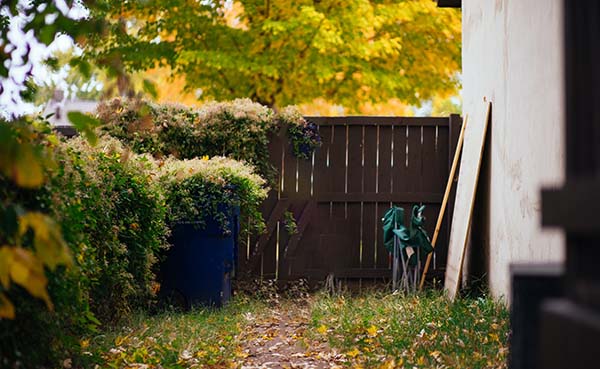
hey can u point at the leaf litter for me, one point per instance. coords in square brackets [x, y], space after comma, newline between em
[278, 339]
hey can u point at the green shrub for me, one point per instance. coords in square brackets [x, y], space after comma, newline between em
[239, 129]
[115, 215]
[199, 189]
[113, 219]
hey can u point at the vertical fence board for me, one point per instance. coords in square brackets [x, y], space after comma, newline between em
[275, 149]
[304, 174]
[442, 167]
[355, 153]
[383, 260]
[370, 158]
[322, 181]
[355, 185]
[313, 253]
[384, 172]
[429, 159]
[337, 255]
[337, 160]
[353, 232]
[415, 159]
[288, 185]
[269, 264]
[370, 222]
[400, 176]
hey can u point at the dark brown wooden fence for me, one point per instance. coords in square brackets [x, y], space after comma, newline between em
[339, 196]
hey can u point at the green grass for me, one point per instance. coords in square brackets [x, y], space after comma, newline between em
[425, 331]
[373, 330]
[199, 338]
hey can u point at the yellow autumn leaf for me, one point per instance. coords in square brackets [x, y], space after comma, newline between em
[27, 271]
[389, 364]
[435, 354]
[238, 353]
[353, 353]
[27, 168]
[494, 337]
[322, 329]
[5, 261]
[7, 309]
[421, 360]
[49, 244]
[205, 158]
[372, 331]
[120, 340]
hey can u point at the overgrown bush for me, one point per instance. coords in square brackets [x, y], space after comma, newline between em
[115, 213]
[239, 129]
[304, 135]
[113, 220]
[199, 189]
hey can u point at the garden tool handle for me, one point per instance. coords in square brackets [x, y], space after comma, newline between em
[438, 225]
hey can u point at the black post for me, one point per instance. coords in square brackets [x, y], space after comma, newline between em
[570, 326]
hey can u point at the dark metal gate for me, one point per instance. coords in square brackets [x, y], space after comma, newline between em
[338, 198]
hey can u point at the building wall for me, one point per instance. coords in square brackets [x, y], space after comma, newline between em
[512, 57]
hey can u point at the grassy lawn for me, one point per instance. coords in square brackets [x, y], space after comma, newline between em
[200, 338]
[372, 330]
[423, 331]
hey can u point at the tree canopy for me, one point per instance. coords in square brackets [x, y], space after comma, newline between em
[290, 51]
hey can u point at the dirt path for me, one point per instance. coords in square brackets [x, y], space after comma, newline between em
[278, 340]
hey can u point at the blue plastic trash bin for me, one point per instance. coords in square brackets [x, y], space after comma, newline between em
[198, 267]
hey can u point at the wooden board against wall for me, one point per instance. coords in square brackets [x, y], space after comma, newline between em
[470, 165]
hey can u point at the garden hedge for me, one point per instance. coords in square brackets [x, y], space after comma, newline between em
[239, 129]
[113, 219]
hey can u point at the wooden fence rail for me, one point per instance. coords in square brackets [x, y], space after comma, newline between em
[339, 196]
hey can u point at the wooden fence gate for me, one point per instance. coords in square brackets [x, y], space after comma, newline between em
[339, 196]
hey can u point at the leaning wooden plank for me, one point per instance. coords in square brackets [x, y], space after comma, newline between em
[470, 164]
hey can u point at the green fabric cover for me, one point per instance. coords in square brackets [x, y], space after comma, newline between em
[414, 236]
[392, 219]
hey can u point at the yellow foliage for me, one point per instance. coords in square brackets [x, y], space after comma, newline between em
[7, 309]
[20, 159]
[26, 270]
[27, 170]
[353, 353]
[321, 107]
[24, 160]
[50, 247]
[372, 331]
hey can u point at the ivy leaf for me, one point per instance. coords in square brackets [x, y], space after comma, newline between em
[85, 124]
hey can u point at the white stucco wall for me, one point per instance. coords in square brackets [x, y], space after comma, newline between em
[512, 57]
